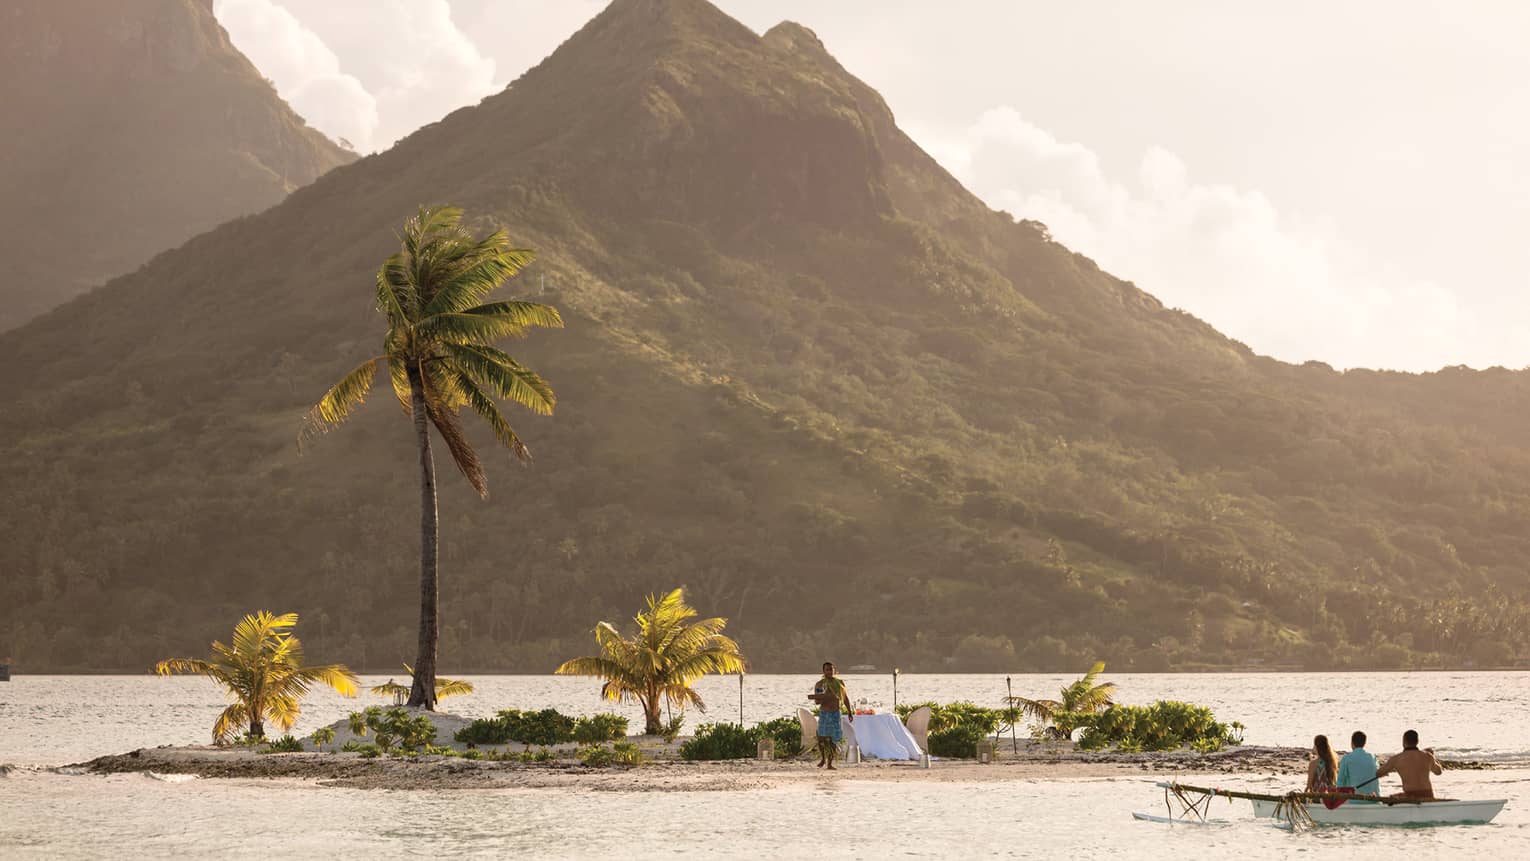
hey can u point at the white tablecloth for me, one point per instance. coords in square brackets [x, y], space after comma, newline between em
[882, 736]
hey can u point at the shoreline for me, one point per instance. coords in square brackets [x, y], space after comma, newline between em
[349, 770]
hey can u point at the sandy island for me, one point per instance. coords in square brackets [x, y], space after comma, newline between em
[663, 770]
[666, 774]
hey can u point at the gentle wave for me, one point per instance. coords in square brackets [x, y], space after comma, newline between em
[170, 778]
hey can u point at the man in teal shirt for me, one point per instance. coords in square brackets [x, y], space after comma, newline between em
[1358, 767]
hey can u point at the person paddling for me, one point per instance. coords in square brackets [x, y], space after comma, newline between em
[1414, 767]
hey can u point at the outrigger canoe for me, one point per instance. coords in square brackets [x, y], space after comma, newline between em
[1307, 808]
[1440, 811]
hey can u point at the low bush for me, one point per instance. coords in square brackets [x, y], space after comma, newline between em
[731, 741]
[600, 728]
[957, 714]
[412, 733]
[1164, 725]
[545, 727]
[720, 741]
[285, 744]
[619, 753]
[956, 741]
[786, 732]
[323, 735]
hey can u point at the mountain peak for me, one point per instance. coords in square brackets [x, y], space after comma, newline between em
[138, 124]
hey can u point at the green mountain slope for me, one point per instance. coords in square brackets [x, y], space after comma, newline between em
[130, 126]
[806, 375]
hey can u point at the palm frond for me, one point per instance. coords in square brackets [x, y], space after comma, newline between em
[506, 377]
[489, 412]
[461, 450]
[339, 401]
[486, 265]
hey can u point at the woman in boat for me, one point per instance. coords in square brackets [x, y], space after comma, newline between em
[1324, 767]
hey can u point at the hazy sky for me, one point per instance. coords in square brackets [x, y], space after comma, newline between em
[1347, 182]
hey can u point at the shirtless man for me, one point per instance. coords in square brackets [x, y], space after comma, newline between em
[1413, 766]
[830, 694]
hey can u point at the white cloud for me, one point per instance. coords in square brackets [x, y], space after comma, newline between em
[410, 55]
[1287, 287]
[306, 72]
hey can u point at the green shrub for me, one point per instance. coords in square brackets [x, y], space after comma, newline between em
[720, 741]
[786, 732]
[600, 728]
[546, 727]
[472, 754]
[956, 741]
[1164, 725]
[369, 751]
[285, 744]
[412, 733]
[619, 753]
[956, 714]
[672, 729]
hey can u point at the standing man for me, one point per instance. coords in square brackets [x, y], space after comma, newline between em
[1357, 769]
[1414, 767]
[830, 694]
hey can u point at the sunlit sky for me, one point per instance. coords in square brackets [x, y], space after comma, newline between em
[1347, 182]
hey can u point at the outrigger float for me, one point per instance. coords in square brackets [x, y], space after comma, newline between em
[1190, 805]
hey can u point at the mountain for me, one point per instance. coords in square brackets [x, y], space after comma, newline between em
[129, 127]
[806, 374]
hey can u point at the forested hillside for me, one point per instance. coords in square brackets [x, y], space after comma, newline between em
[805, 374]
[127, 127]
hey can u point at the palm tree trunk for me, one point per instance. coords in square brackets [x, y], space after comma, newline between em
[423, 692]
[257, 729]
[651, 714]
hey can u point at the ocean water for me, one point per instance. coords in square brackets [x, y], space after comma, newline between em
[52, 721]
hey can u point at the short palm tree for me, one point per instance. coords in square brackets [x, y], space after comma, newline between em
[444, 687]
[264, 671]
[1087, 695]
[658, 664]
[439, 355]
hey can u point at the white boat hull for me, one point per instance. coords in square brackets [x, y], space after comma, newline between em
[1405, 813]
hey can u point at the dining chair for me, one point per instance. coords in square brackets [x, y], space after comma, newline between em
[918, 724]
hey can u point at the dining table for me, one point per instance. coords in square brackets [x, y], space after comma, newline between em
[882, 736]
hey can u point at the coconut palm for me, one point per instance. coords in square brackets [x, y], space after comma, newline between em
[439, 355]
[657, 665]
[1087, 695]
[444, 687]
[265, 672]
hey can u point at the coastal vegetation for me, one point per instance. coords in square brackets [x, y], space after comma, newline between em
[265, 671]
[1164, 725]
[440, 356]
[410, 733]
[444, 687]
[1086, 696]
[723, 740]
[658, 663]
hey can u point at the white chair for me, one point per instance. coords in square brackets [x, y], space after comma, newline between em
[809, 728]
[918, 724]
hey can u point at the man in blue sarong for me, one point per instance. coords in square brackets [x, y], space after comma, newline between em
[830, 693]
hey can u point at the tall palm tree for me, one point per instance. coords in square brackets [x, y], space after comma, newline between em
[440, 358]
[1087, 695]
[264, 671]
[658, 664]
